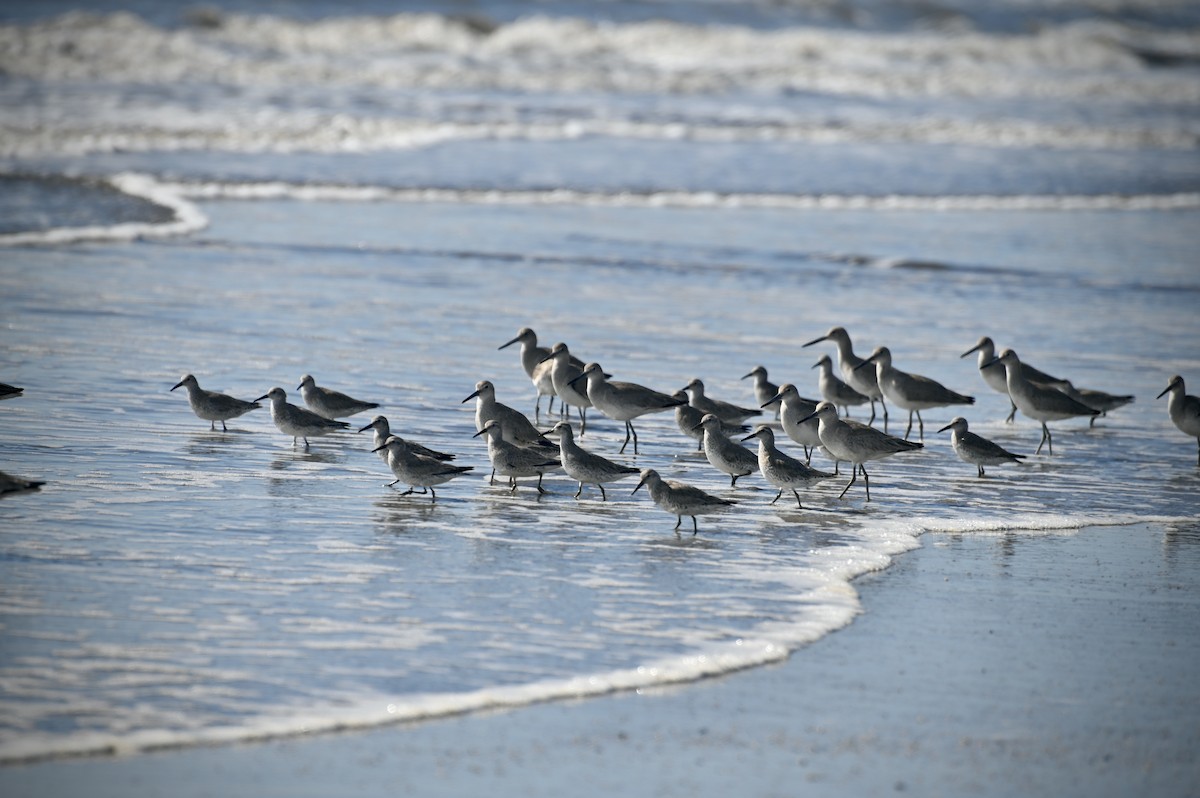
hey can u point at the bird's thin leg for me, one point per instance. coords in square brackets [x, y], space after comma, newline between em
[777, 496]
[866, 481]
[853, 477]
[603, 495]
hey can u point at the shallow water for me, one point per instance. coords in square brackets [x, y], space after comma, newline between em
[172, 585]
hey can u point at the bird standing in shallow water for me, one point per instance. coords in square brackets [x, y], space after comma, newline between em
[1184, 410]
[976, 450]
[782, 470]
[861, 380]
[212, 406]
[416, 470]
[622, 401]
[1039, 402]
[329, 403]
[911, 392]
[296, 421]
[680, 499]
[587, 467]
[856, 443]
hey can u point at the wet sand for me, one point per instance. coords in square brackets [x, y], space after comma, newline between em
[1005, 664]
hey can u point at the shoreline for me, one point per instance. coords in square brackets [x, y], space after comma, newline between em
[982, 664]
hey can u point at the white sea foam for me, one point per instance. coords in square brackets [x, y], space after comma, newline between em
[187, 218]
[538, 54]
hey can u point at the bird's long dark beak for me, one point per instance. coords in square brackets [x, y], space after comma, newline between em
[1166, 390]
[510, 343]
[176, 385]
[259, 399]
[380, 446]
[776, 398]
[948, 426]
[477, 434]
[809, 417]
[469, 398]
[971, 351]
[817, 340]
[369, 426]
[994, 361]
[639, 485]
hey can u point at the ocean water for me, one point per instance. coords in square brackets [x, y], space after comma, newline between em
[254, 191]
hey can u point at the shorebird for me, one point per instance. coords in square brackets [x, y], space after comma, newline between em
[782, 470]
[296, 421]
[680, 499]
[856, 443]
[764, 389]
[995, 378]
[793, 408]
[11, 484]
[834, 390]
[1184, 410]
[910, 392]
[584, 466]
[533, 360]
[622, 401]
[1040, 402]
[1097, 400]
[976, 450]
[329, 403]
[729, 413]
[861, 380]
[688, 419]
[726, 455]
[563, 372]
[515, 426]
[416, 470]
[383, 431]
[514, 461]
[11, 391]
[212, 406]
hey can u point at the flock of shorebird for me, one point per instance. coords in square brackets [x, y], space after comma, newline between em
[518, 449]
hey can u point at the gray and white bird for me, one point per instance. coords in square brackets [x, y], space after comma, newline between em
[781, 469]
[977, 450]
[724, 454]
[587, 468]
[1184, 410]
[996, 379]
[622, 401]
[1040, 402]
[911, 392]
[856, 443]
[537, 368]
[764, 389]
[862, 380]
[415, 469]
[793, 409]
[563, 372]
[296, 421]
[383, 431]
[688, 419]
[1097, 400]
[726, 411]
[212, 406]
[514, 461]
[328, 403]
[680, 499]
[515, 426]
[835, 390]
